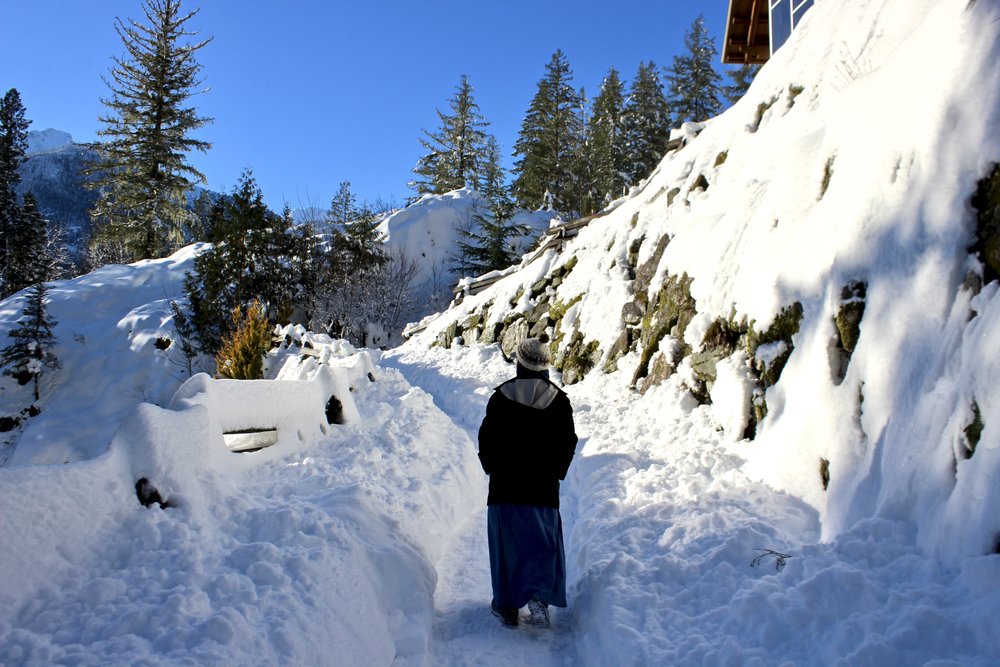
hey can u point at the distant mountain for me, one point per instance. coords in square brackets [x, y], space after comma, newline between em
[53, 173]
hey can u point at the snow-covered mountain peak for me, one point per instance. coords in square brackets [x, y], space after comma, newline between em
[43, 141]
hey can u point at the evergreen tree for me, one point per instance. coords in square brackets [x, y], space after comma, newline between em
[606, 142]
[255, 254]
[31, 350]
[13, 145]
[142, 172]
[456, 150]
[740, 79]
[27, 259]
[646, 123]
[551, 134]
[693, 82]
[343, 206]
[486, 246]
[493, 177]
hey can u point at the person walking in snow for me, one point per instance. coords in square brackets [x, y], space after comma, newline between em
[526, 443]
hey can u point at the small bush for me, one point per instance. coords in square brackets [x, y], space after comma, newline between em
[242, 354]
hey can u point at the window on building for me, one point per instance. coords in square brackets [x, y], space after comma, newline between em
[785, 15]
[798, 9]
[781, 22]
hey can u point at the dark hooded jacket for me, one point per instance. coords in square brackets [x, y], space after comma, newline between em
[527, 441]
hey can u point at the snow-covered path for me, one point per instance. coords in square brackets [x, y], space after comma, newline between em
[662, 525]
[464, 630]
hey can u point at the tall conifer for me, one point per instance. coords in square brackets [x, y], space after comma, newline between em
[693, 83]
[455, 151]
[550, 136]
[647, 123]
[142, 169]
[13, 145]
[27, 257]
[606, 142]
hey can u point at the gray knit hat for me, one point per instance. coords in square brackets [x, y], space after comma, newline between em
[533, 353]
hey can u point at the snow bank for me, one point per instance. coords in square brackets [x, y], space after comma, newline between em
[321, 545]
[851, 160]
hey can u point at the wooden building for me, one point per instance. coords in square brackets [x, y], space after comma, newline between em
[755, 29]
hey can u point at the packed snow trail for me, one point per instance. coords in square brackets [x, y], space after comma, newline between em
[464, 631]
[639, 485]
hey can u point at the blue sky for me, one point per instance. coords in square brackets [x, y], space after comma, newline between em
[309, 93]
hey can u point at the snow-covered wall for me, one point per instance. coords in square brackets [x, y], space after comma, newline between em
[849, 165]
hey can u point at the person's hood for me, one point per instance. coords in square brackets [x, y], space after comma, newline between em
[532, 392]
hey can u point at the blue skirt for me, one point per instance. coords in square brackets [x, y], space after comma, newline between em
[527, 559]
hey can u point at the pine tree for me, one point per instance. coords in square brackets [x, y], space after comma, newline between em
[254, 255]
[551, 134]
[493, 177]
[740, 79]
[693, 82]
[343, 206]
[142, 172]
[28, 262]
[456, 150]
[31, 350]
[606, 142]
[13, 145]
[647, 123]
[486, 246]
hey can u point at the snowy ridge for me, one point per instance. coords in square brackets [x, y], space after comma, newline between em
[836, 167]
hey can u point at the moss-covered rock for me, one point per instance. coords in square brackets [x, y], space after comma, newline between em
[672, 195]
[720, 159]
[513, 334]
[700, 183]
[670, 313]
[781, 331]
[986, 201]
[645, 272]
[491, 333]
[578, 358]
[847, 322]
[618, 350]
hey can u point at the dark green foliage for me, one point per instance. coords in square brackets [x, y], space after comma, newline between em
[550, 137]
[986, 202]
[27, 253]
[31, 350]
[255, 254]
[740, 79]
[693, 83]
[457, 150]
[142, 173]
[486, 245]
[13, 144]
[363, 292]
[187, 337]
[647, 123]
[606, 149]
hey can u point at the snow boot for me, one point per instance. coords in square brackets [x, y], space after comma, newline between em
[508, 617]
[539, 613]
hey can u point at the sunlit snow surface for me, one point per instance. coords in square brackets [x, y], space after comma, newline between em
[363, 543]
